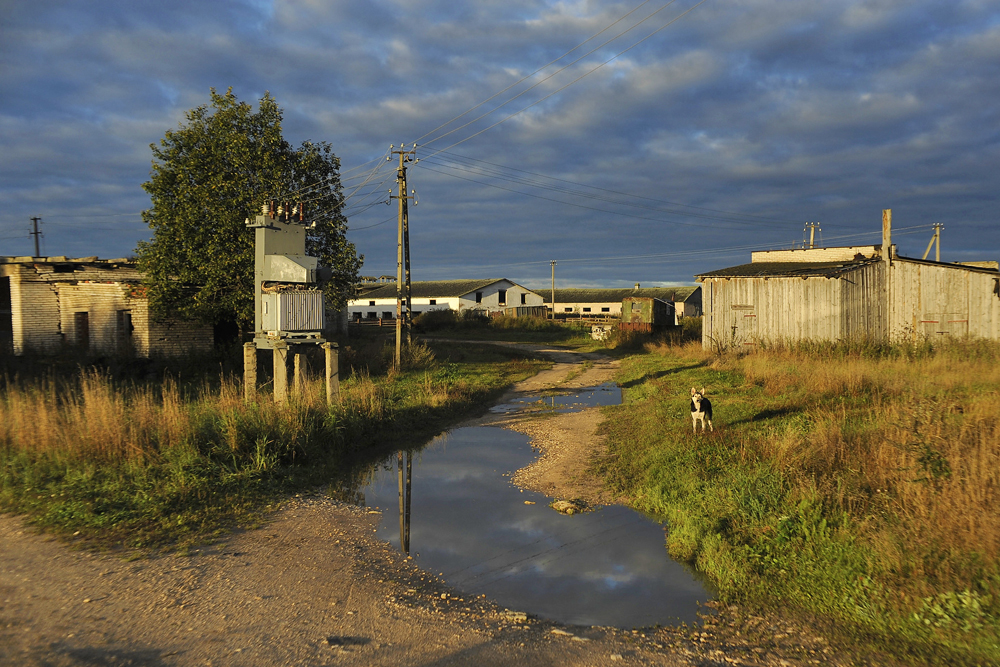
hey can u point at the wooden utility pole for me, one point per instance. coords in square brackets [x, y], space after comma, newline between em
[402, 251]
[553, 262]
[935, 239]
[813, 226]
[36, 234]
[887, 258]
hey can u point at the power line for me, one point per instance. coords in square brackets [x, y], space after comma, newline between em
[624, 194]
[582, 76]
[694, 213]
[561, 69]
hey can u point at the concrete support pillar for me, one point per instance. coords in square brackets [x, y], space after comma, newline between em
[249, 372]
[279, 354]
[301, 364]
[332, 372]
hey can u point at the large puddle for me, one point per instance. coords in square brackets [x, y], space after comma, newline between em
[470, 524]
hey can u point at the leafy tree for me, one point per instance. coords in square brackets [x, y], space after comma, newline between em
[207, 178]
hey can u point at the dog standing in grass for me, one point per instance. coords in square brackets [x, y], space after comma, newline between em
[701, 410]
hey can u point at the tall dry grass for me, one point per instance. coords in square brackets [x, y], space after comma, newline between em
[906, 444]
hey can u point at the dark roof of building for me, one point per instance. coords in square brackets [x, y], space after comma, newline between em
[788, 269]
[124, 261]
[615, 294]
[423, 289]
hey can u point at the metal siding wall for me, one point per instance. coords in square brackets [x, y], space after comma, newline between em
[300, 311]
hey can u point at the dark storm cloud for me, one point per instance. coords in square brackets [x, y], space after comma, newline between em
[726, 130]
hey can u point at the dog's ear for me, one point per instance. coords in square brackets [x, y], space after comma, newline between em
[693, 392]
[702, 392]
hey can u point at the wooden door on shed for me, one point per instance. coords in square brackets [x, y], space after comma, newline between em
[743, 329]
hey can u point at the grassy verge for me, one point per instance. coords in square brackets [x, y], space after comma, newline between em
[472, 325]
[856, 483]
[133, 464]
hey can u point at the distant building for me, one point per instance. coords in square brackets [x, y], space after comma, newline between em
[850, 292]
[96, 306]
[490, 295]
[607, 302]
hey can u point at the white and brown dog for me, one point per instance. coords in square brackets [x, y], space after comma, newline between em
[701, 410]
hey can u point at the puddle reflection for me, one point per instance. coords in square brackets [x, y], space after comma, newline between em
[607, 567]
[608, 393]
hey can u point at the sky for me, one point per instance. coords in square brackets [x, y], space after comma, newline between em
[627, 141]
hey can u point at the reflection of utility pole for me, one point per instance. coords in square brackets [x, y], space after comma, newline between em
[935, 239]
[36, 234]
[404, 500]
[402, 250]
[553, 262]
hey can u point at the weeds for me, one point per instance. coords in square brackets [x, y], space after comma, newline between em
[858, 481]
[146, 464]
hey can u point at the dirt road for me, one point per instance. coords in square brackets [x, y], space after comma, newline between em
[313, 587]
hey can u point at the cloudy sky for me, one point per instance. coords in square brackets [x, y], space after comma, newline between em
[628, 141]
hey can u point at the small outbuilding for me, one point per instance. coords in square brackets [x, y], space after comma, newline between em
[607, 302]
[490, 295]
[857, 292]
[93, 305]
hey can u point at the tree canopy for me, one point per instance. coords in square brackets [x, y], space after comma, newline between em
[207, 178]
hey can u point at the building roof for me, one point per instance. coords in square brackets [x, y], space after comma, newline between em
[616, 295]
[61, 259]
[827, 269]
[788, 269]
[423, 289]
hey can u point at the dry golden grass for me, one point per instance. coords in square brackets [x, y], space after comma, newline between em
[909, 446]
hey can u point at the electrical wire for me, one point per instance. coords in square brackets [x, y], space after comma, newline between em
[557, 72]
[623, 194]
[598, 195]
[582, 76]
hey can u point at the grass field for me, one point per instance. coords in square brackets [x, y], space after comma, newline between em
[858, 483]
[138, 463]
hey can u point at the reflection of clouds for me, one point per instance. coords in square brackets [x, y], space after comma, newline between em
[608, 567]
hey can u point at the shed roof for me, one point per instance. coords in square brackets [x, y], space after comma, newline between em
[616, 294]
[788, 269]
[421, 289]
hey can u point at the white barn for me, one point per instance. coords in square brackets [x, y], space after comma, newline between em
[490, 295]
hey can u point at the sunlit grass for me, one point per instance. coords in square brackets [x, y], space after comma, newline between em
[139, 464]
[858, 481]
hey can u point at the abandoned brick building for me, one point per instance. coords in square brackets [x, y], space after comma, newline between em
[93, 305]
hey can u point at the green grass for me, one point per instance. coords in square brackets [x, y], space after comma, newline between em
[851, 484]
[132, 465]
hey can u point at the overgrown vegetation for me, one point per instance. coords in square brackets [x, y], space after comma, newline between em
[476, 325]
[855, 481]
[142, 463]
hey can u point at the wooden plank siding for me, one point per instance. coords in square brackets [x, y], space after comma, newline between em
[930, 299]
[911, 300]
